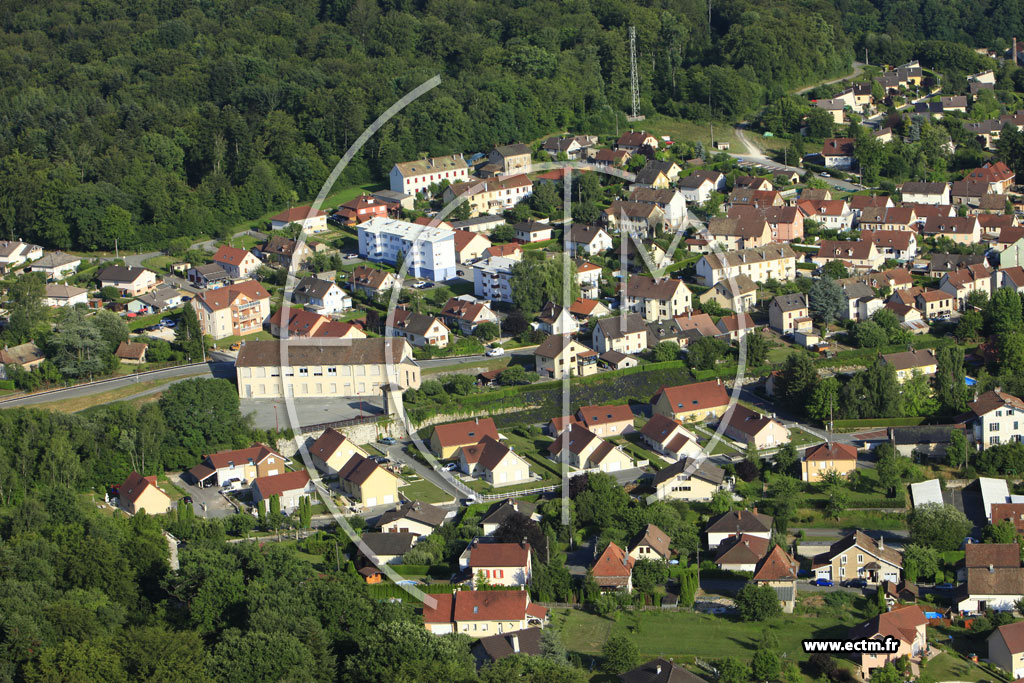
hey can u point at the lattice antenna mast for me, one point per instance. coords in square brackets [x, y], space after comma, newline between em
[634, 81]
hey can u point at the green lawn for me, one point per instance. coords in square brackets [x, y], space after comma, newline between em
[779, 354]
[689, 131]
[226, 342]
[426, 492]
[159, 263]
[799, 437]
[946, 667]
[685, 635]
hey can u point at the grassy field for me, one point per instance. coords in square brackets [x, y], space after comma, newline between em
[799, 437]
[946, 667]
[481, 366]
[426, 492]
[226, 342]
[73, 405]
[690, 131]
[159, 264]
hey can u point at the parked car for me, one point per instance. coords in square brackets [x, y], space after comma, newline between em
[187, 499]
[823, 582]
[856, 583]
[823, 174]
[236, 346]
[495, 352]
[388, 441]
[450, 467]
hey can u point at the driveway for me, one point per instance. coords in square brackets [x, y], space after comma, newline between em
[581, 558]
[206, 502]
[397, 454]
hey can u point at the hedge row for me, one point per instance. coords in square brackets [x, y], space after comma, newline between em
[880, 422]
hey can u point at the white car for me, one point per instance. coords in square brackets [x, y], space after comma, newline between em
[494, 353]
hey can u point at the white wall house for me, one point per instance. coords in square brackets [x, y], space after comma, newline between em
[410, 177]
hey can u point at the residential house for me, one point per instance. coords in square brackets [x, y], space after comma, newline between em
[510, 251]
[997, 176]
[671, 202]
[234, 310]
[634, 140]
[470, 246]
[131, 353]
[613, 570]
[27, 356]
[692, 402]
[637, 218]
[237, 263]
[359, 367]
[493, 462]
[1011, 253]
[669, 438]
[967, 193]
[613, 360]
[561, 356]
[512, 159]
[892, 244]
[934, 303]
[385, 549]
[993, 225]
[995, 417]
[482, 613]
[418, 328]
[887, 218]
[321, 296]
[610, 157]
[129, 281]
[785, 222]
[447, 439]
[361, 209]
[741, 553]
[572, 146]
[815, 194]
[506, 509]
[660, 670]
[161, 299]
[756, 199]
[285, 251]
[583, 309]
[697, 187]
[138, 493]
[208, 276]
[310, 220]
[833, 214]
[588, 239]
[1006, 648]
[555, 319]
[838, 153]
[493, 195]
[921, 440]
[751, 427]
[906, 363]
[990, 588]
[299, 324]
[903, 592]
[828, 457]
[925, 193]
[788, 313]
[428, 251]
[961, 283]
[835, 107]
[859, 256]
[465, 316]
[657, 299]
[498, 564]
[777, 261]
[582, 449]
[367, 483]
[905, 625]
[650, 177]
[15, 252]
[412, 177]
[736, 294]
[650, 543]
[58, 296]
[1013, 512]
[960, 229]
[750, 523]
[606, 420]
[739, 233]
[533, 231]
[735, 326]
[699, 324]
[492, 279]
[332, 450]
[690, 479]
[778, 570]
[858, 556]
[243, 465]
[56, 265]
[395, 200]
[988, 556]
[625, 334]
[413, 517]
[290, 487]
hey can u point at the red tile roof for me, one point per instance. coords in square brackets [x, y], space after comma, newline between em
[600, 415]
[230, 255]
[465, 433]
[777, 565]
[499, 555]
[253, 454]
[613, 563]
[276, 484]
[224, 297]
[134, 485]
[698, 396]
[296, 215]
[832, 451]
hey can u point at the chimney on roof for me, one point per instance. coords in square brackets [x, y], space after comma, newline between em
[881, 543]
[657, 669]
[755, 509]
[991, 569]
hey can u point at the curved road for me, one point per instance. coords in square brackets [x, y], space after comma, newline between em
[754, 155]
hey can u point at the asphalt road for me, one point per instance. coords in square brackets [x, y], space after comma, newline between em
[397, 454]
[754, 155]
[176, 374]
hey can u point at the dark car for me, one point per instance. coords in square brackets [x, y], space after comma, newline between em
[857, 583]
[187, 499]
[822, 582]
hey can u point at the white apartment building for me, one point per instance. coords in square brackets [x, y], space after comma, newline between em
[492, 279]
[410, 177]
[776, 261]
[430, 252]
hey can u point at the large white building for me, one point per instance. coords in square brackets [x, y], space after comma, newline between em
[492, 279]
[430, 252]
[410, 177]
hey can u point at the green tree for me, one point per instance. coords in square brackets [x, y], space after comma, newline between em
[757, 348]
[825, 300]
[486, 331]
[870, 335]
[968, 328]
[956, 449]
[1004, 313]
[189, 336]
[916, 397]
[835, 270]
[920, 562]
[732, 671]
[536, 281]
[758, 602]
[704, 353]
[619, 654]
[26, 310]
[665, 351]
[890, 468]
[950, 386]
[649, 574]
[1001, 532]
[785, 457]
[796, 381]
[721, 502]
[765, 665]
[938, 526]
[824, 401]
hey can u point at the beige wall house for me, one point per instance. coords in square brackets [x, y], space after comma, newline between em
[332, 450]
[834, 457]
[482, 613]
[447, 439]
[1006, 648]
[559, 356]
[748, 426]
[739, 232]
[776, 261]
[139, 493]
[129, 281]
[289, 487]
[494, 463]
[667, 437]
[907, 625]
[651, 543]
[626, 334]
[933, 303]
[234, 310]
[584, 450]
[324, 367]
[738, 294]
[858, 556]
[419, 329]
[736, 522]
[778, 570]
[692, 402]
[689, 479]
[657, 299]
[243, 464]
[413, 517]
[469, 246]
[906, 363]
[236, 262]
[367, 483]
[788, 313]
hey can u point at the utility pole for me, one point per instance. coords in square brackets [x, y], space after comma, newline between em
[865, 57]
[116, 254]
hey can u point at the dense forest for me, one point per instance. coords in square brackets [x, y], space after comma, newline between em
[149, 121]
